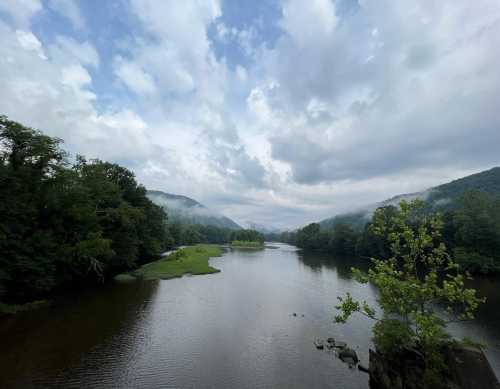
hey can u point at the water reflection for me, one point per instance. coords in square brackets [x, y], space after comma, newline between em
[58, 344]
[341, 264]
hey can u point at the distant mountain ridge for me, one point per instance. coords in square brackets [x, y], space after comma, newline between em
[187, 210]
[444, 196]
[261, 228]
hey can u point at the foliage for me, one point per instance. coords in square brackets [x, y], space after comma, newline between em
[247, 236]
[475, 232]
[245, 243]
[66, 225]
[418, 276]
[471, 231]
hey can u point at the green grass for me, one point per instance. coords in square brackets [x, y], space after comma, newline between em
[8, 309]
[189, 260]
[247, 244]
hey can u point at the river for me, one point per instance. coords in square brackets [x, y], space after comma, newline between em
[233, 329]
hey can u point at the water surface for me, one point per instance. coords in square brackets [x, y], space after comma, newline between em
[233, 329]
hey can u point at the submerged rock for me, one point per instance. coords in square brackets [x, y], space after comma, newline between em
[347, 354]
[320, 345]
[340, 344]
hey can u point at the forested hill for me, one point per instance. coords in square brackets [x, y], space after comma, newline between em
[443, 197]
[186, 210]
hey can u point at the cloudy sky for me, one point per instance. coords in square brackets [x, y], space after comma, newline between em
[275, 112]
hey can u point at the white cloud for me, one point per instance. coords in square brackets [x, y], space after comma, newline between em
[21, 11]
[66, 50]
[307, 22]
[134, 77]
[75, 77]
[339, 110]
[70, 10]
[28, 41]
[241, 73]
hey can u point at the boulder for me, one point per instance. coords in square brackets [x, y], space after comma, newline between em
[348, 353]
[468, 368]
[320, 345]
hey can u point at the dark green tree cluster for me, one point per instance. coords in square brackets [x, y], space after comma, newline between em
[247, 236]
[341, 239]
[471, 232]
[188, 234]
[65, 224]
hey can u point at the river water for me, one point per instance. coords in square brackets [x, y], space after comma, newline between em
[233, 329]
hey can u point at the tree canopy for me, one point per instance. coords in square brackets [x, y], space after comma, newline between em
[66, 224]
[420, 286]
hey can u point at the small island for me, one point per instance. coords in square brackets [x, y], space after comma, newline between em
[189, 260]
[247, 244]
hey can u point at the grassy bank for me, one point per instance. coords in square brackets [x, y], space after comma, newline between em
[247, 244]
[189, 260]
[8, 309]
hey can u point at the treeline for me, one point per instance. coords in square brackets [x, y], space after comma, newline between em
[67, 224]
[186, 234]
[471, 232]
[247, 236]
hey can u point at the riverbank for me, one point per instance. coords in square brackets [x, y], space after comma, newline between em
[8, 309]
[189, 260]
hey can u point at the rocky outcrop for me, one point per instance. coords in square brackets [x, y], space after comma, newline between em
[468, 368]
[402, 372]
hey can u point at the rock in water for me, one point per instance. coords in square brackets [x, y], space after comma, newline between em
[348, 353]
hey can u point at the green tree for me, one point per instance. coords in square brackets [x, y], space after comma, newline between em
[418, 277]
[62, 226]
[476, 232]
[343, 239]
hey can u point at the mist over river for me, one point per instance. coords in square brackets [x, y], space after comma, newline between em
[233, 329]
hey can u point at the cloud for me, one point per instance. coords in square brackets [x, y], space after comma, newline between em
[70, 10]
[134, 77]
[306, 23]
[321, 109]
[30, 42]
[21, 11]
[377, 92]
[69, 50]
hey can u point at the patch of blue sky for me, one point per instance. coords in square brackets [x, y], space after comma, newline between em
[248, 24]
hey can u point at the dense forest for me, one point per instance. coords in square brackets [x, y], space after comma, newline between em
[471, 232]
[65, 224]
[69, 224]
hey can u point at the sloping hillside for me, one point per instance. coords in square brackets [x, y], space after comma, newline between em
[442, 196]
[187, 210]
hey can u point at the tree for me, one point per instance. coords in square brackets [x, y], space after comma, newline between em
[63, 226]
[247, 236]
[418, 277]
[343, 239]
[476, 232]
